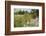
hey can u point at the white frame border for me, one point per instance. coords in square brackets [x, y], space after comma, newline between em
[25, 28]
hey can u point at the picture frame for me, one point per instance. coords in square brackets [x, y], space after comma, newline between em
[8, 16]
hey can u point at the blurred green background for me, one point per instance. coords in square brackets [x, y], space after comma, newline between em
[26, 18]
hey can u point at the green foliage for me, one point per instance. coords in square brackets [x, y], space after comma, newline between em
[20, 21]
